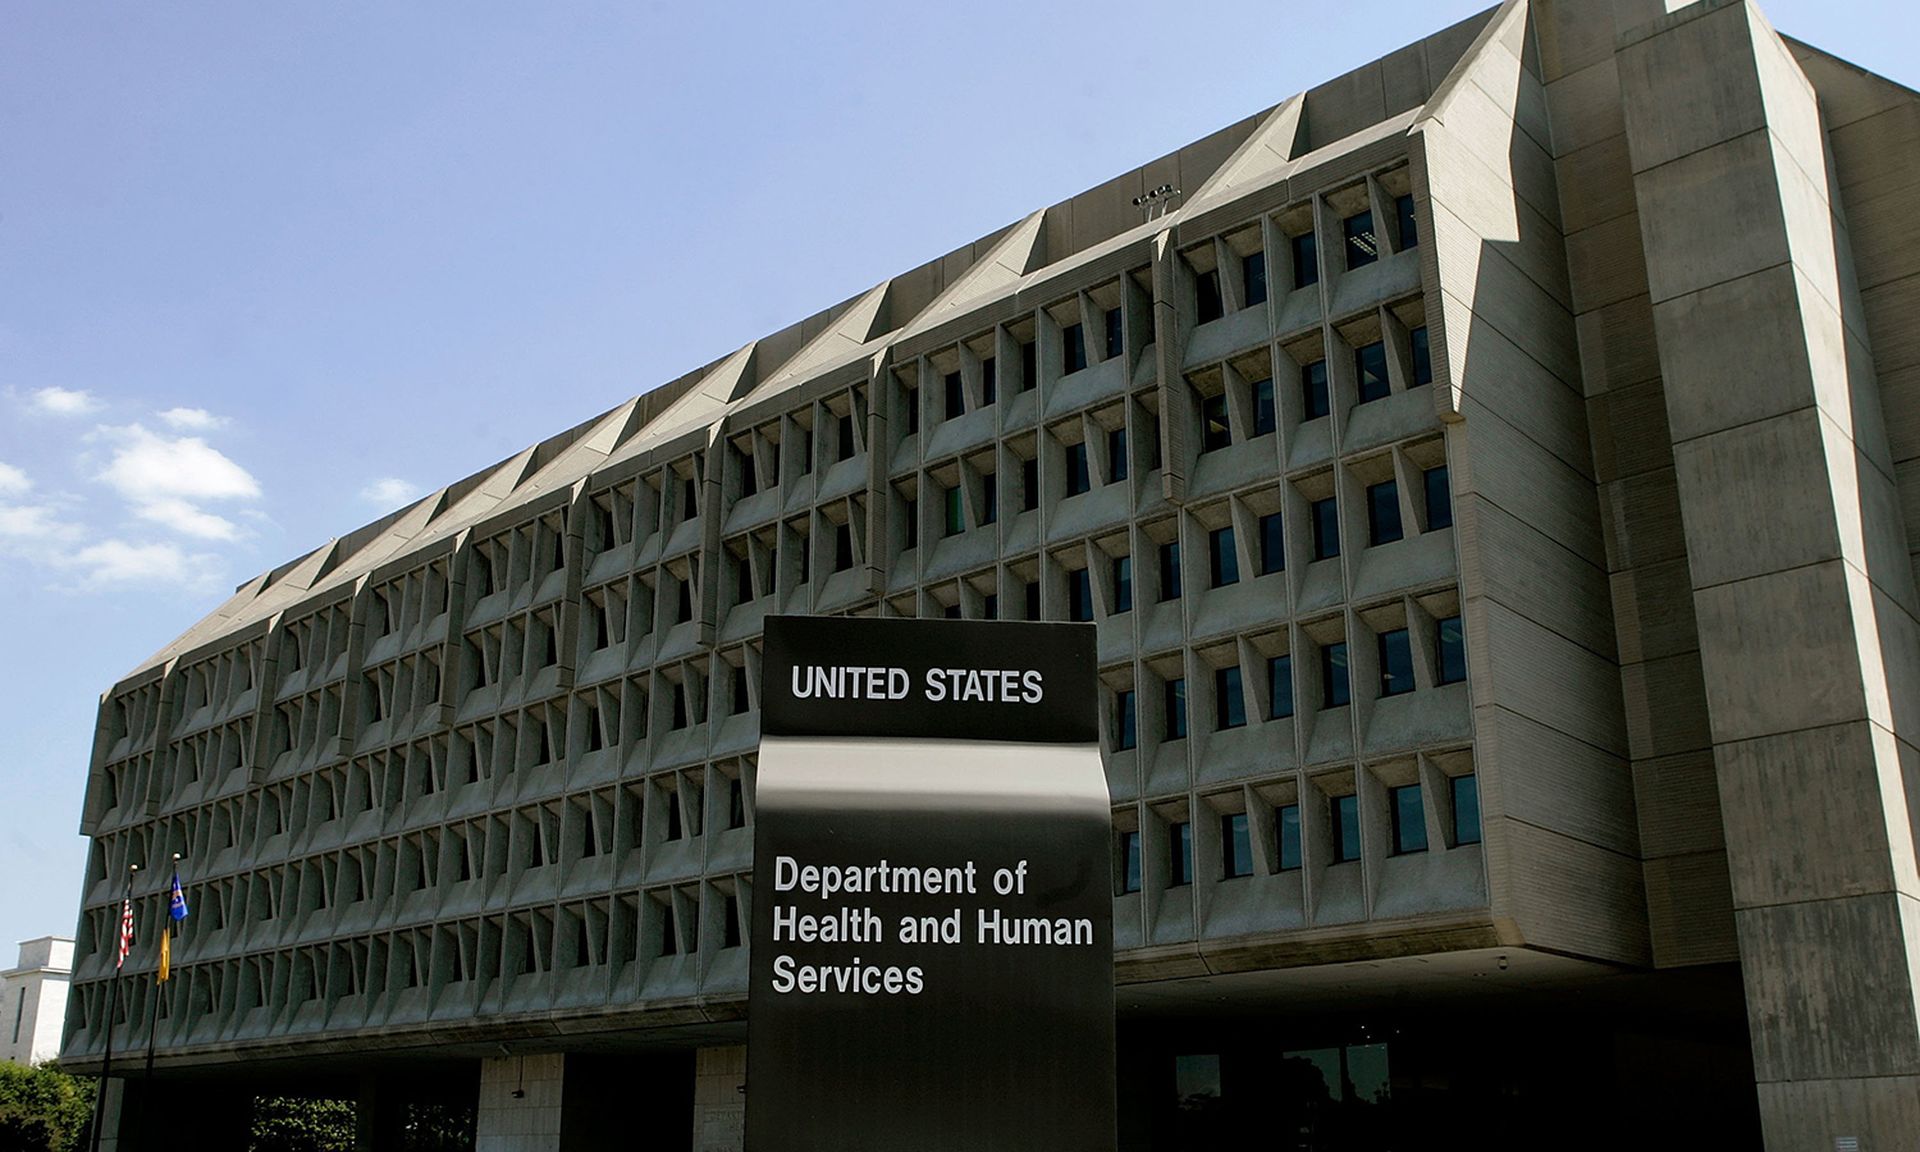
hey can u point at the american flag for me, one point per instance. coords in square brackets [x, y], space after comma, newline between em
[126, 933]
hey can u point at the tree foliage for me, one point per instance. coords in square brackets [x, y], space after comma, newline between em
[299, 1124]
[42, 1109]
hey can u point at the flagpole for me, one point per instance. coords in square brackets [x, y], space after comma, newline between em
[167, 925]
[113, 1000]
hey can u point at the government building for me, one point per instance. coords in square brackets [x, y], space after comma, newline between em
[1493, 474]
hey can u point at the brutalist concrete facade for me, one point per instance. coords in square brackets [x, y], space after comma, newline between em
[1492, 473]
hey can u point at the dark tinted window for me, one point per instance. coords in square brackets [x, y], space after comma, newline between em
[956, 512]
[1409, 231]
[1422, 356]
[749, 483]
[844, 433]
[1116, 455]
[956, 395]
[1335, 689]
[1346, 829]
[842, 547]
[1273, 545]
[1383, 512]
[913, 411]
[1409, 819]
[1129, 861]
[1033, 599]
[1326, 529]
[1153, 442]
[1079, 477]
[1466, 809]
[1215, 432]
[1236, 850]
[1286, 828]
[1075, 339]
[1229, 702]
[989, 381]
[1176, 709]
[912, 525]
[1079, 595]
[1126, 732]
[1396, 663]
[1453, 651]
[1370, 369]
[1206, 292]
[989, 498]
[1362, 247]
[1170, 571]
[1265, 419]
[1439, 498]
[1306, 260]
[1029, 485]
[1180, 862]
[1113, 332]
[1279, 687]
[1123, 583]
[1253, 278]
[1223, 559]
[1313, 390]
[1027, 363]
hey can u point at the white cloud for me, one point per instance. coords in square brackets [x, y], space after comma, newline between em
[192, 419]
[13, 481]
[147, 468]
[33, 525]
[65, 401]
[188, 520]
[389, 491]
[119, 562]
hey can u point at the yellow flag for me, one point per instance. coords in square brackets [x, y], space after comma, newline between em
[166, 958]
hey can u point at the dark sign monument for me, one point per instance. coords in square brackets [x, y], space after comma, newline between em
[932, 964]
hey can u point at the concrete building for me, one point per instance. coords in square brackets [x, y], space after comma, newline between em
[33, 996]
[1493, 473]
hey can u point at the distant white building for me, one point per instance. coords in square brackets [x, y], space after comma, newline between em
[33, 1000]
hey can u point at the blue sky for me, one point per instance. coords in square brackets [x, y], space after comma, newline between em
[267, 271]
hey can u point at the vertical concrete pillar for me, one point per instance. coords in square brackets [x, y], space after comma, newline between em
[719, 1099]
[1800, 579]
[520, 1104]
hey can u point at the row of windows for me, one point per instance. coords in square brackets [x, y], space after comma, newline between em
[1407, 828]
[1396, 664]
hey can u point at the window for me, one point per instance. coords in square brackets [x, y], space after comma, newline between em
[1396, 663]
[1075, 339]
[682, 610]
[989, 498]
[1313, 390]
[1123, 583]
[1346, 829]
[990, 606]
[1126, 730]
[675, 830]
[1079, 476]
[1176, 704]
[1422, 356]
[1206, 295]
[1279, 687]
[1370, 368]
[1306, 260]
[1116, 455]
[1362, 248]
[806, 560]
[1215, 431]
[844, 434]
[1236, 850]
[806, 451]
[1273, 545]
[1113, 333]
[1334, 689]
[1439, 498]
[743, 590]
[1033, 599]
[1466, 809]
[1383, 512]
[842, 547]
[1253, 278]
[912, 506]
[1286, 829]
[1153, 442]
[1029, 485]
[956, 512]
[1029, 376]
[690, 497]
[913, 411]
[1129, 862]
[736, 802]
[989, 384]
[1409, 819]
[1264, 417]
[1409, 231]
[1079, 595]
[730, 929]
[1453, 651]
[1229, 703]
[1170, 571]
[1223, 560]
[741, 704]
[951, 611]
[1180, 861]
[749, 484]
[1326, 529]
[956, 395]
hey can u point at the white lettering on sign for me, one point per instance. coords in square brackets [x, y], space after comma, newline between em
[940, 686]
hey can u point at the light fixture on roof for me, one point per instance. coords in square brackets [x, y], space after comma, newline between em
[1156, 201]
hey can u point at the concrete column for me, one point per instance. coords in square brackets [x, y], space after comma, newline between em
[1799, 571]
[719, 1099]
[520, 1104]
